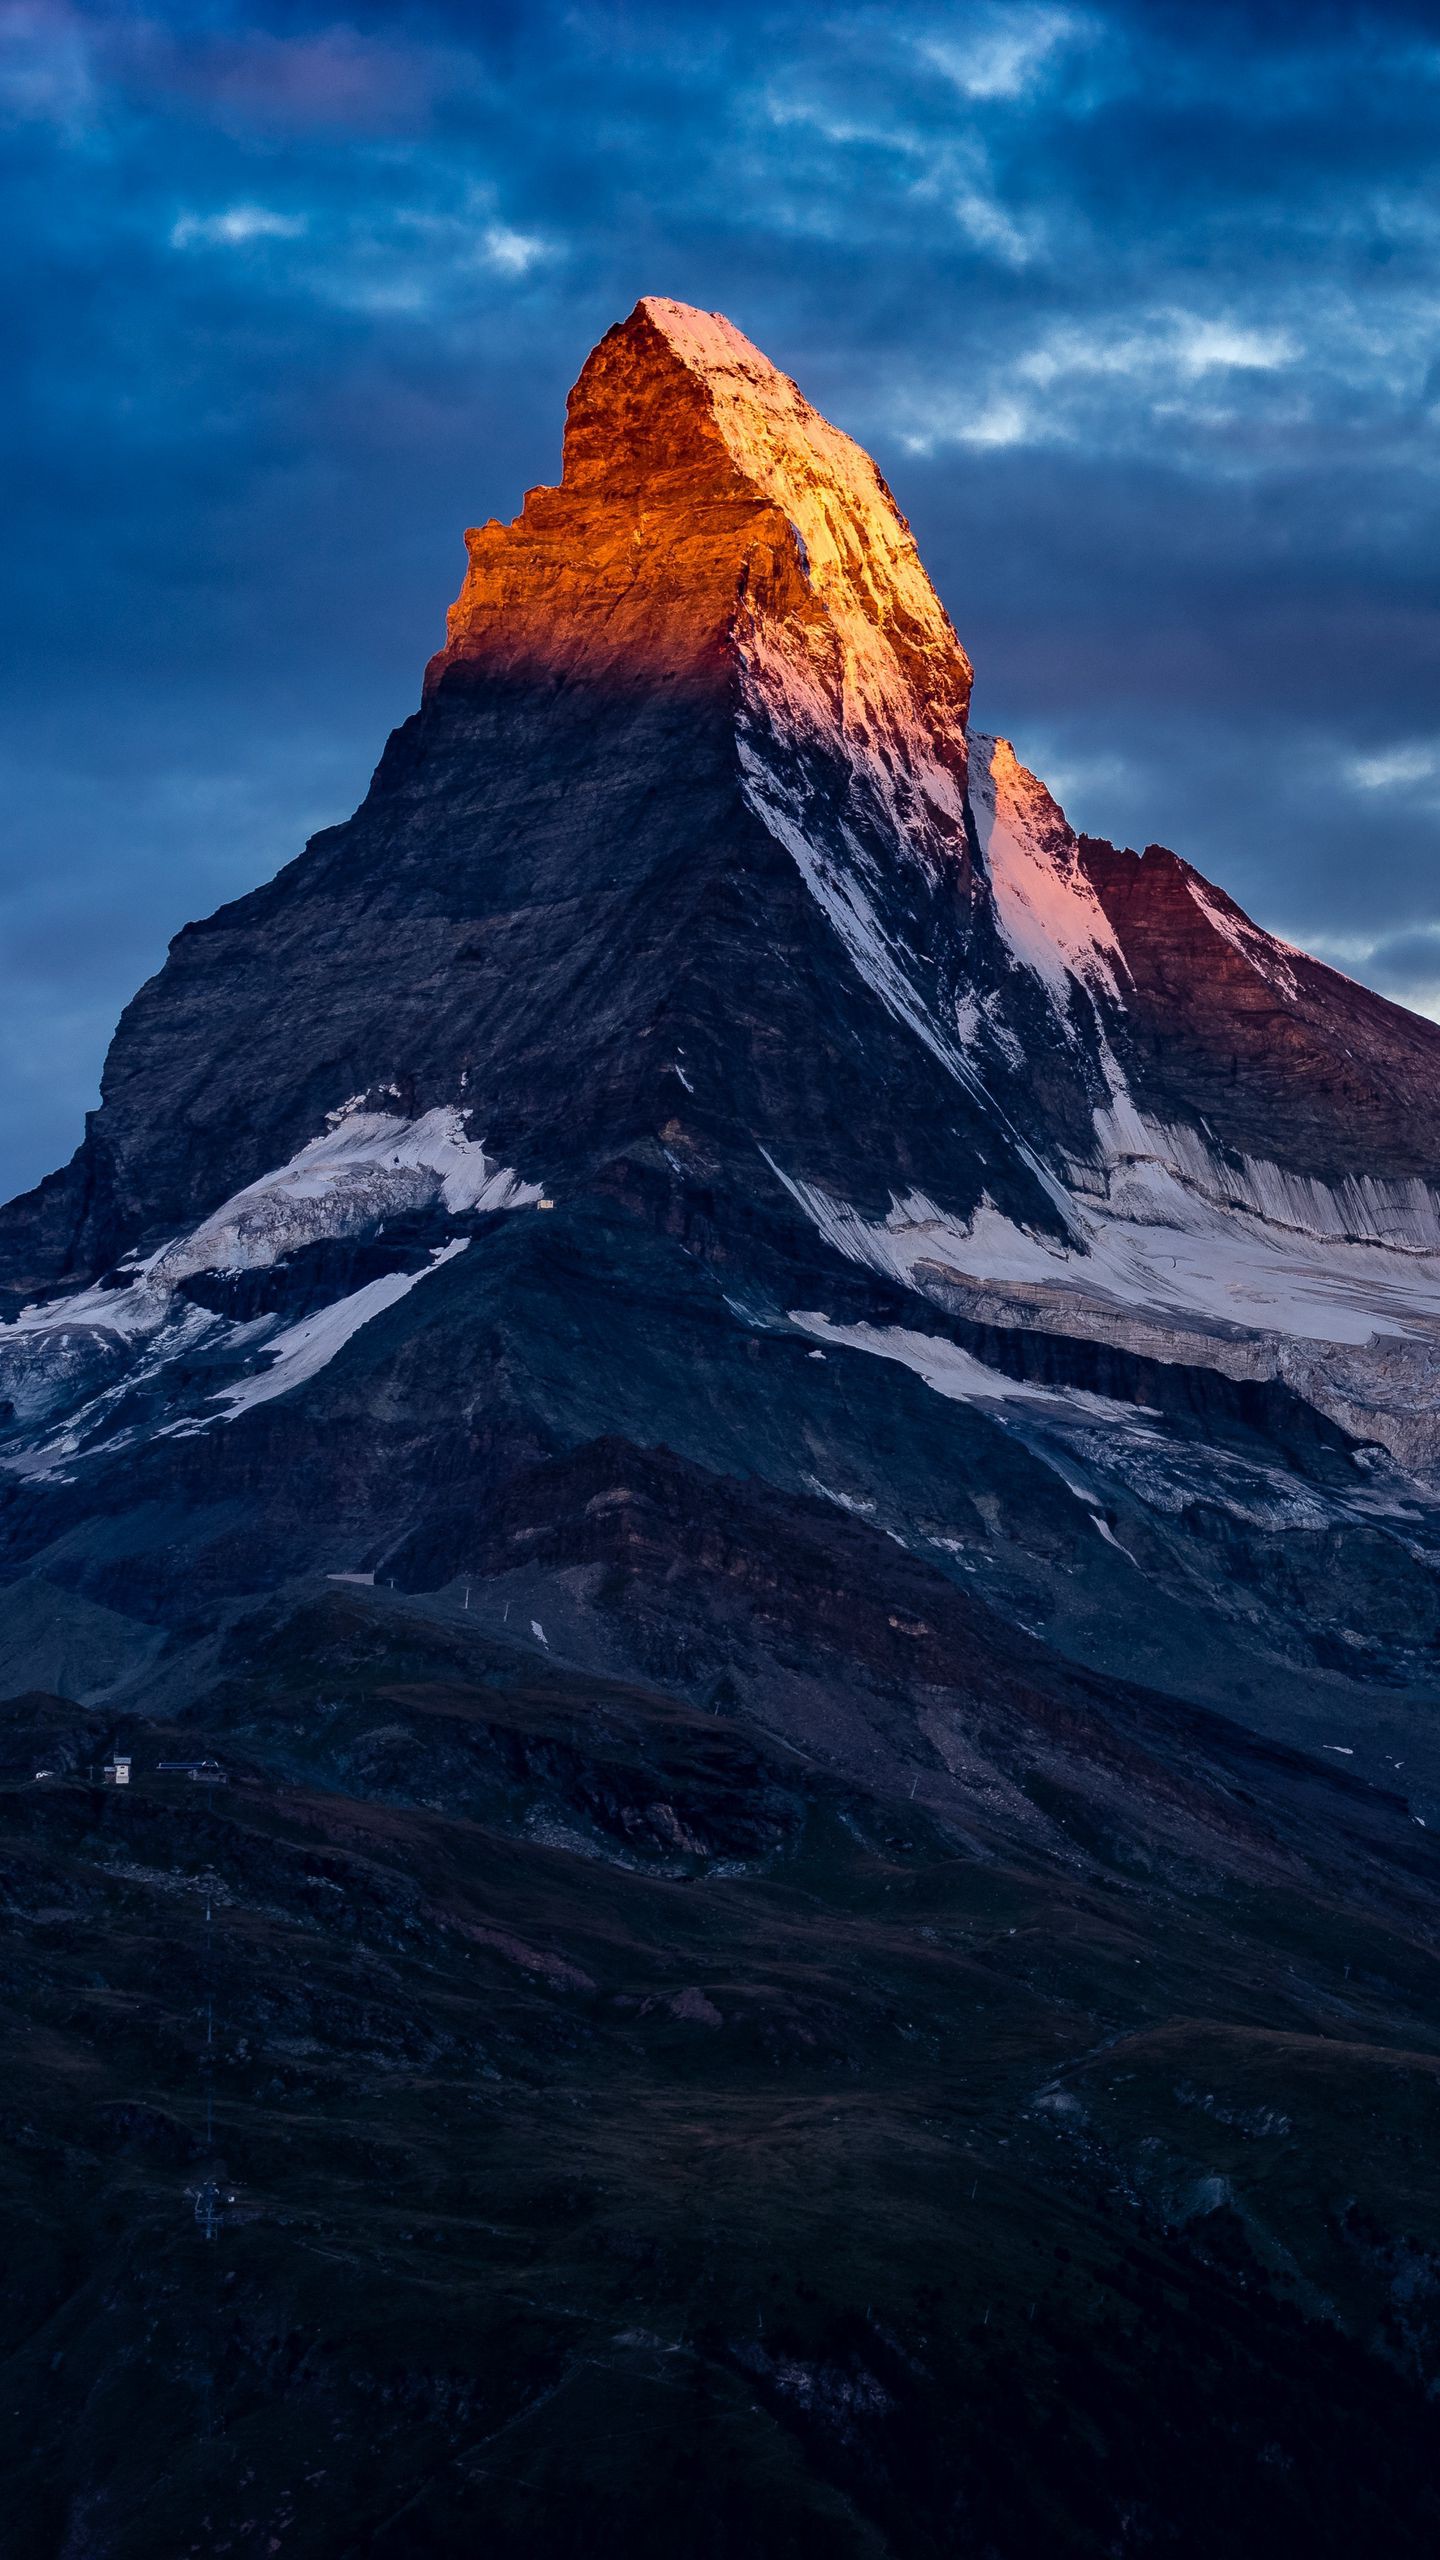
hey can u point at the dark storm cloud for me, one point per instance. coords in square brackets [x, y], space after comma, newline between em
[1134, 304]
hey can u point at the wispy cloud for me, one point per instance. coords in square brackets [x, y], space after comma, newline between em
[988, 226]
[1226, 346]
[236, 228]
[1159, 348]
[1395, 768]
[511, 253]
[1007, 53]
[1078, 384]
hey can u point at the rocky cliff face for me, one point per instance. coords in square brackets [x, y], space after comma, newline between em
[1283, 1058]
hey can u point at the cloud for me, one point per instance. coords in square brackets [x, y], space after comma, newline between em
[1158, 349]
[1407, 964]
[1006, 52]
[996, 421]
[1102, 384]
[1223, 346]
[989, 226]
[511, 253]
[386, 260]
[236, 228]
[1395, 768]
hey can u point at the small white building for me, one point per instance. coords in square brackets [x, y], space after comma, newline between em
[116, 1772]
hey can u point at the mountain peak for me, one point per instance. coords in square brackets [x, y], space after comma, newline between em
[702, 498]
[650, 408]
[705, 340]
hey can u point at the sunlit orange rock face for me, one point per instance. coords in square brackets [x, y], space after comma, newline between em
[707, 518]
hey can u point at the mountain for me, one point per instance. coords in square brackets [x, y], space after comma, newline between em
[782, 1421]
[687, 904]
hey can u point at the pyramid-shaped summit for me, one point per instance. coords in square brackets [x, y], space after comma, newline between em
[703, 498]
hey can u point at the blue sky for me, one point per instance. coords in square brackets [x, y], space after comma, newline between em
[1136, 306]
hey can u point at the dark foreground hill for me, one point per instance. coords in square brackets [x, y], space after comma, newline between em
[779, 1426]
[991, 2125]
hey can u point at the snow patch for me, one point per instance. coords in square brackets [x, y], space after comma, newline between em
[1168, 1175]
[68, 1364]
[1157, 1249]
[955, 1373]
[1108, 1534]
[884, 964]
[306, 1348]
[367, 1166]
[843, 1501]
